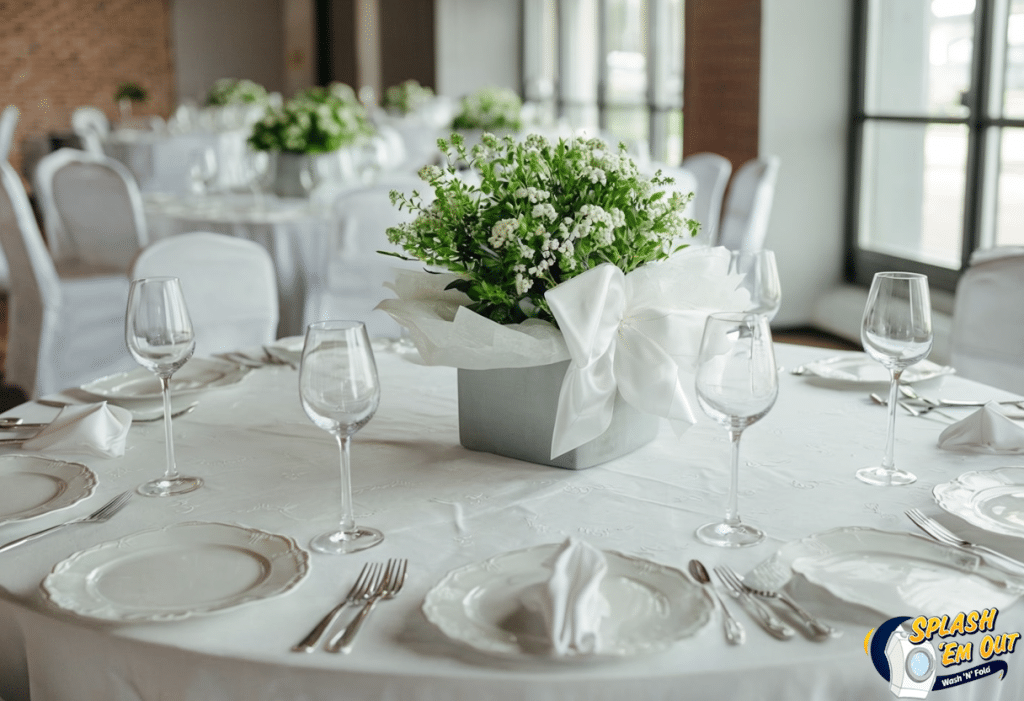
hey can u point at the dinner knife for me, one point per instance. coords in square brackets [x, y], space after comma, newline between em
[758, 610]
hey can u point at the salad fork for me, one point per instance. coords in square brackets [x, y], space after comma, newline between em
[366, 583]
[103, 513]
[394, 578]
[943, 535]
[818, 629]
[764, 615]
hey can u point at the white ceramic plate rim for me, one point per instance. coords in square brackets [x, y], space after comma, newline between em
[835, 369]
[445, 605]
[959, 497]
[109, 387]
[78, 481]
[72, 585]
[778, 569]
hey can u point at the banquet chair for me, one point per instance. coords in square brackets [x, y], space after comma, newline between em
[748, 205]
[712, 172]
[8, 120]
[63, 330]
[91, 126]
[987, 339]
[229, 283]
[92, 209]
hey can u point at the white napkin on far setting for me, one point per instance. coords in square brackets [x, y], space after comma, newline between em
[96, 429]
[570, 601]
[987, 430]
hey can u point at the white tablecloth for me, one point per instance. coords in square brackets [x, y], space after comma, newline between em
[443, 507]
[160, 162]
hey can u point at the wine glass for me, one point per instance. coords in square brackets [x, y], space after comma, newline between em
[202, 170]
[257, 170]
[159, 334]
[760, 277]
[737, 384]
[896, 330]
[339, 391]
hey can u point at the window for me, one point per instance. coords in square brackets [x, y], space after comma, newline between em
[609, 65]
[938, 134]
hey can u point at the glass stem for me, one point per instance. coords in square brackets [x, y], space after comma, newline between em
[732, 516]
[348, 521]
[887, 461]
[171, 471]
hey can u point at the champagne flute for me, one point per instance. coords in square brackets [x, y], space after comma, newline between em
[737, 384]
[339, 390]
[760, 277]
[159, 335]
[896, 330]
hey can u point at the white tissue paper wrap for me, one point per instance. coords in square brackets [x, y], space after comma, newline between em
[94, 429]
[635, 334]
[987, 430]
[570, 602]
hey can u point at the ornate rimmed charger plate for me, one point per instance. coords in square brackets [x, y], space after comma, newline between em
[651, 606]
[992, 499]
[176, 572]
[32, 485]
[860, 368]
[892, 573]
[197, 375]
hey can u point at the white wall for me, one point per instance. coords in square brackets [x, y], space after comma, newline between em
[477, 45]
[805, 82]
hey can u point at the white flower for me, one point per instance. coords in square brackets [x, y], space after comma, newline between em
[545, 211]
[502, 231]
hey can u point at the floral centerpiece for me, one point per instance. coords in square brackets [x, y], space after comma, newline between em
[234, 91]
[492, 109]
[563, 256]
[126, 94]
[407, 97]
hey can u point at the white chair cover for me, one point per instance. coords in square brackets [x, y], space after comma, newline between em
[92, 209]
[229, 285]
[62, 331]
[748, 205]
[987, 342]
[356, 273]
[8, 120]
[712, 172]
[91, 126]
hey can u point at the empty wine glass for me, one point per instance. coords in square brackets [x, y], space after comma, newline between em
[257, 171]
[339, 391]
[737, 384]
[202, 170]
[159, 334]
[896, 330]
[760, 277]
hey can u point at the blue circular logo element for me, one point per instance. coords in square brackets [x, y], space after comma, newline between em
[878, 643]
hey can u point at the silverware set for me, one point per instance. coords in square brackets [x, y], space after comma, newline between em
[101, 514]
[916, 404]
[268, 357]
[14, 423]
[376, 582]
[943, 535]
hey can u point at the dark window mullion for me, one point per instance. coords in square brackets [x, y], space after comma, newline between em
[602, 65]
[978, 116]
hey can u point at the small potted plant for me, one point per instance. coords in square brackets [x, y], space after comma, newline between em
[127, 93]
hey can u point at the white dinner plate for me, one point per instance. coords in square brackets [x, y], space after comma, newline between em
[196, 375]
[862, 369]
[31, 486]
[992, 499]
[651, 606]
[176, 572]
[892, 573]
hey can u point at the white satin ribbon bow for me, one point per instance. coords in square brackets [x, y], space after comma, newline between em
[637, 335]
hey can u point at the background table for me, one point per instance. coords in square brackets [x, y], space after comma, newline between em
[161, 162]
[443, 507]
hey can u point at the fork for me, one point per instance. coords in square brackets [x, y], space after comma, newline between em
[943, 535]
[764, 615]
[394, 578]
[911, 393]
[817, 629]
[367, 582]
[101, 514]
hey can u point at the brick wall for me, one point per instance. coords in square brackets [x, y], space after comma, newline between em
[56, 55]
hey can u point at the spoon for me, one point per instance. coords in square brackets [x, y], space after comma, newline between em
[147, 418]
[734, 632]
[911, 393]
[910, 410]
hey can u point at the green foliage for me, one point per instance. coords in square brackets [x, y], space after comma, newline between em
[407, 97]
[317, 120]
[490, 108]
[130, 91]
[232, 91]
[543, 213]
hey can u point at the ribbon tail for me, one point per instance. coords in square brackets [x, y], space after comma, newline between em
[585, 405]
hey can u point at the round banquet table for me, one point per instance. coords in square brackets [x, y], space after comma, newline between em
[441, 506]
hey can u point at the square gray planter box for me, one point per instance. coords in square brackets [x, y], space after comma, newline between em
[511, 412]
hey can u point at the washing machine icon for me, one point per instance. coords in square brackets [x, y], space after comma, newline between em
[912, 666]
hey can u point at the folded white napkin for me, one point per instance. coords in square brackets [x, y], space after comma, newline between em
[570, 601]
[988, 430]
[97, 429]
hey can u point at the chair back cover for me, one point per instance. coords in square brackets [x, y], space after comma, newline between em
[92, 209]
[91, 126]
[712, 172]
[987, 342]
[229, 283]
[748, 205]
[8, 120]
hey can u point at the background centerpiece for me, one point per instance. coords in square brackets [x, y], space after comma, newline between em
[310, 138]
[568, 302]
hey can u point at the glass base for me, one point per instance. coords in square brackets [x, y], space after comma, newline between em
[885, 477]
[169, 487]
[724, 535]
[339, 542]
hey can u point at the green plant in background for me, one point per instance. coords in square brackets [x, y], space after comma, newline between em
[543, 213]
[490, 108]
[407, 97]
[132, 92]
[316, 120]
[234, 91]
